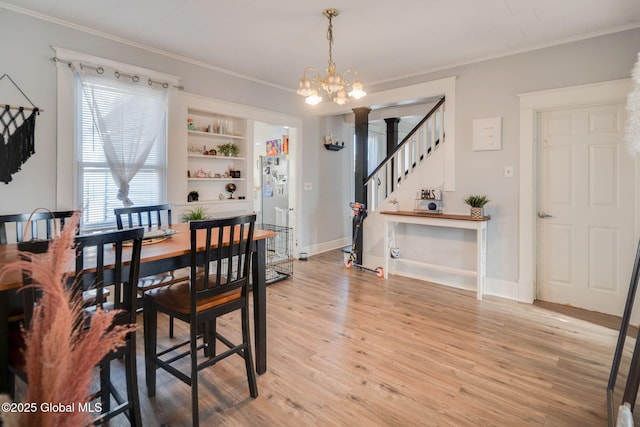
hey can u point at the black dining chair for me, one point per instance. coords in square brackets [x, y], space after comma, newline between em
[150, 217]
[16, 342]
[221, 249]
[94, 271]
[125, 299]
[41, 224]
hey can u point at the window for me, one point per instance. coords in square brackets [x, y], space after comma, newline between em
[97, 192]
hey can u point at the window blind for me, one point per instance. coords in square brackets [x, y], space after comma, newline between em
[97, 191]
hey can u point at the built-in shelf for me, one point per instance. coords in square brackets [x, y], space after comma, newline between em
[224, 201]
[205, 156]
[213, 201]
[216, 129]
[215, 135]
[215, 179]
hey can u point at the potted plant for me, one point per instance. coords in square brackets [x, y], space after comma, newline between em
[229, 149]
[477, 202]
[196, 214]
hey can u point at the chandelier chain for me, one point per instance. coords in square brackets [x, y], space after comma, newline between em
[330, 38]
[333, 83]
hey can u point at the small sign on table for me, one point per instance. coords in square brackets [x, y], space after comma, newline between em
[429, 200]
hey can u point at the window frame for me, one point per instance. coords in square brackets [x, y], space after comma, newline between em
[82, 166]
[67, 179]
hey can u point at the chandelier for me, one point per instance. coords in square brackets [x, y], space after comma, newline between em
[333, 83]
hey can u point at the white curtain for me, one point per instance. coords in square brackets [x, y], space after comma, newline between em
[129, 116]
[633, 111]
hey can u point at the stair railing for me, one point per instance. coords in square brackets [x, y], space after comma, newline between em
[418, 145]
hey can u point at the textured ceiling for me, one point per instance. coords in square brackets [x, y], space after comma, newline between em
[273, 41]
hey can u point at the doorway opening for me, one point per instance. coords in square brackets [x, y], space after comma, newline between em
[274, 202]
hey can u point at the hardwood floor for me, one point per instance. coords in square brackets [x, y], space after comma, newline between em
[346, 348]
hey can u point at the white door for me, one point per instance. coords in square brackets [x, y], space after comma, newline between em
[586, 234]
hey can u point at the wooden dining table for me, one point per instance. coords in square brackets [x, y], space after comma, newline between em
[164, 254]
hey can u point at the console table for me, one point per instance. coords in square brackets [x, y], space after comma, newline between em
[444, 220]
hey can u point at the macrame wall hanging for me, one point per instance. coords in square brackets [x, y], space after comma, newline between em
[17, 130]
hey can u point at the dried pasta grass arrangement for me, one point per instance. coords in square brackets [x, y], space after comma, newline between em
[60, 354]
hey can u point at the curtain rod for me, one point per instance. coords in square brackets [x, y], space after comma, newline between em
[135, 78]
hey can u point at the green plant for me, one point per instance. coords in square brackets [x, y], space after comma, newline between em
[229, 149]
[476, 200]
[195, 214]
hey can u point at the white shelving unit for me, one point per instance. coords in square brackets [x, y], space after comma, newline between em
[190, 169]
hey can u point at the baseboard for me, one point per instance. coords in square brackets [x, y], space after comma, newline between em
[494, 287]
[326, 246]
[503, 289]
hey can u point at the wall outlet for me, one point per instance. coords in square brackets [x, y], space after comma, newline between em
[508, 171]
[308, 186]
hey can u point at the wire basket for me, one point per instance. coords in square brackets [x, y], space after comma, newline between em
[279, 259]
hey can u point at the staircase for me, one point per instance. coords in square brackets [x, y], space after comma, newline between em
[421, 143]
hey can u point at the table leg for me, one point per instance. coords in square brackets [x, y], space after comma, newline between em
[633, 379]
[260, 305]
[4, 342]
[481, 260]
[386, 248]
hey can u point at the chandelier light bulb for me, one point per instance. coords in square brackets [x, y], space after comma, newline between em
[332, 82]
[341, 97]
[335, 83]
[305, 87]
[356, 90]
[313, 98]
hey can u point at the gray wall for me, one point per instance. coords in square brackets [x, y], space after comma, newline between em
[25, 43]
[489, 89]
[483, 90]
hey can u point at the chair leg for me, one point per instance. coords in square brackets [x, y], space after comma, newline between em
[105, 393]
[11, 384]
[150, 340]
[170, 326]
[209, 338]
[131, 374]
[213, 332]
[194, 374]
[248, 359]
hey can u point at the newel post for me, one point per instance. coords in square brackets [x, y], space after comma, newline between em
[361, 166]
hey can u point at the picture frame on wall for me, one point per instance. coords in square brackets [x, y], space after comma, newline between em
[273, 147]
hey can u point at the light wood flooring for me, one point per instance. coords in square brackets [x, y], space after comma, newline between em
[348, 349]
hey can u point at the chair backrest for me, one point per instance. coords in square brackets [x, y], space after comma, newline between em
[30, 294]
[43, 224]
[101, 261]
[227, 245]
[143, 216]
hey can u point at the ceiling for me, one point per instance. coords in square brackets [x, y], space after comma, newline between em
[273, 41]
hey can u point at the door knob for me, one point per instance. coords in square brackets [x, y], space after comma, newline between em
[543, 214]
